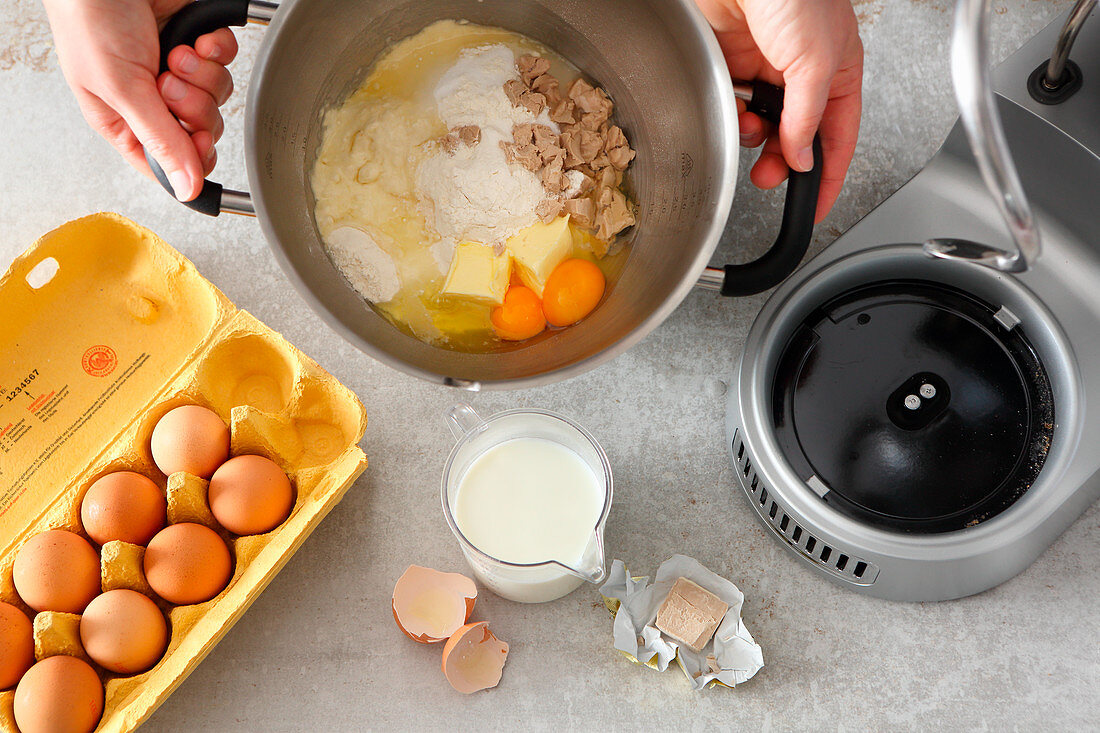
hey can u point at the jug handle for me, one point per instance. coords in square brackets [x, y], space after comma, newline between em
[183, 29]
[799, 209]
[463, 420]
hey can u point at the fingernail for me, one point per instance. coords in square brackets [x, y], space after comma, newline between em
[174, 89]
[806, 159]
[189, 61]
[181, 183]
[745, 139]
[215, 52]
[209, 156]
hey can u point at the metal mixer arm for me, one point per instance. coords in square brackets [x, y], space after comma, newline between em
[977, 108]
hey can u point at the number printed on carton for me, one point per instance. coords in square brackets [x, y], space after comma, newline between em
[12, 394]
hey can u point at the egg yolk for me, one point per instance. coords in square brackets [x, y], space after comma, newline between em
[521, 315]
[572, 291]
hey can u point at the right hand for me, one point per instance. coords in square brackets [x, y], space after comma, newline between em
[109, 52]
[812, 48]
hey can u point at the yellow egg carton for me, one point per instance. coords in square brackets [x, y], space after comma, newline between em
[105, 328]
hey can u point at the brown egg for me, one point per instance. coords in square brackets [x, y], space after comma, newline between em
[123, 506]
[57, 571]
[123, 631]
[59, 695]
[16, 645]
[191, 439]
[187, 563]
[250, 495]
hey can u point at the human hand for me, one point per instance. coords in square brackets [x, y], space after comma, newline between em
[109, 52]
[811, 47]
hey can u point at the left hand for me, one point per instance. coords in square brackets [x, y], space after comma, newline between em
[813, 49]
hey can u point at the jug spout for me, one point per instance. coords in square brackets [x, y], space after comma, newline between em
[595, 574]
[591, 567]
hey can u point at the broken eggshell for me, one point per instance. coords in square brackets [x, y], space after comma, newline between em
[430, 606]
[734, 657]
[473, 659]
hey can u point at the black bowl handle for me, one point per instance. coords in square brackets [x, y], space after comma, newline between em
[799, 209]
[183, 29]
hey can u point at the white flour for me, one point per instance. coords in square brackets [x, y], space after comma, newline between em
[472, 92]
[474, 194]
[369, 269]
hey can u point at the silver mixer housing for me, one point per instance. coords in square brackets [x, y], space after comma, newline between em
[1056, 302]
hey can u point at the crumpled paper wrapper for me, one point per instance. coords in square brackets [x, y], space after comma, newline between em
[729, 660]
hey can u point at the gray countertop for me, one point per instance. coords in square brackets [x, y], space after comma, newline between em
[319, 649]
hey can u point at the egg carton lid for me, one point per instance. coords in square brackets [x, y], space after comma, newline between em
[99, 316]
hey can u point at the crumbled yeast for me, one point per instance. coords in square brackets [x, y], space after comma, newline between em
[581, 166]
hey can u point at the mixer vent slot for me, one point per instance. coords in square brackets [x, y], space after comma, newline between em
[835, 560]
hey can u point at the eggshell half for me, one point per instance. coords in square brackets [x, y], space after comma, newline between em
[430, 606]
[123, 631]
[187, 563]
[57, 571]
[60, 694]
[473, 659]
[123, 506]
[191, 439]
[16, 645]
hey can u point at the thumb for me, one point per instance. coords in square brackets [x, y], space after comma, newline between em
[162, 136]
[804, 102]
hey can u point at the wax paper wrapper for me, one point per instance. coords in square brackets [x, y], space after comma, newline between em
[729, 660]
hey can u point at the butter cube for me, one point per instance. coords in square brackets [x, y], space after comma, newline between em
[690, 614]
[478, 275]
[538, 249]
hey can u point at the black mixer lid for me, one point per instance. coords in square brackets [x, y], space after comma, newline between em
[913, 406]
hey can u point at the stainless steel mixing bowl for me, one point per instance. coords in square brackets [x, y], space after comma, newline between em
[659, 61]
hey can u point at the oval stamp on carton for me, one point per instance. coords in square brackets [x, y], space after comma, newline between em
[99, 361]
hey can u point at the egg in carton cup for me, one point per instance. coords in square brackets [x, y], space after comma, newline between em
[106, 329]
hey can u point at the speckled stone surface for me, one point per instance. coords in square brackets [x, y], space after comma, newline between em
[319, 650]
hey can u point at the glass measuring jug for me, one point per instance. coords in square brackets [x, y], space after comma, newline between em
[479, 439]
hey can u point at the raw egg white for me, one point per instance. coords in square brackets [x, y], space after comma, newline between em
[250, 495]
[192, 439]
[59, 695]
[123, 506]
[123, 631]
[16, 645]
[57, 571]
[187, 563]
